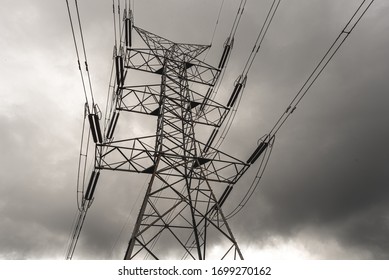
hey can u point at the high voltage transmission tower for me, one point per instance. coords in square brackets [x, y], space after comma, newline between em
[180, 205]
[181, 213]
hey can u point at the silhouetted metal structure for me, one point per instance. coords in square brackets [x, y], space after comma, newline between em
[190, 180]
[181, 211]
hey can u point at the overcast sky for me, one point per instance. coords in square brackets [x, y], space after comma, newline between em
[325, 192]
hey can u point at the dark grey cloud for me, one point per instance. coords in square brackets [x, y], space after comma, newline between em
[329, 167]
[324, 193]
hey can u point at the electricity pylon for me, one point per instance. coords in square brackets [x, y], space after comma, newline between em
[181, 215]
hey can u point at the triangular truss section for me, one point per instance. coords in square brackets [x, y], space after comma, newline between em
[160, 45]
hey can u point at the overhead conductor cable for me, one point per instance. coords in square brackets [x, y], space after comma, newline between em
[240, 83]
[92, 113]
[362, 9]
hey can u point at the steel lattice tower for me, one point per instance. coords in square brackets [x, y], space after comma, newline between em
[181, 211]
[190, 180]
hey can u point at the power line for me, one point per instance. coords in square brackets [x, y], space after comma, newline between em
[214, 30]
[93, 115]
[77, 52]
[240, 82]
[217, 21]
[261, 36]
[84, 50]
[228, 46]
[237, 18]
[349, 27]
[257, 178]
